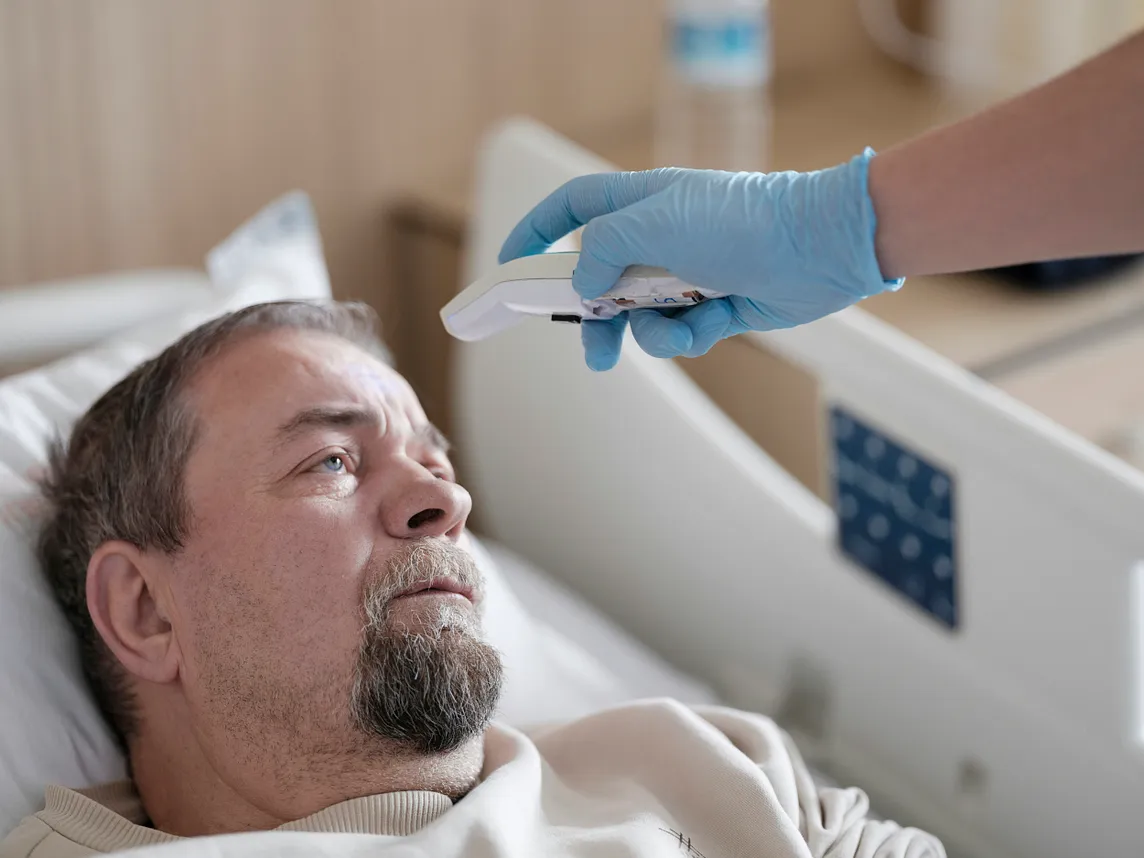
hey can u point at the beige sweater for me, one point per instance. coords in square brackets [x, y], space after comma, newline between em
[110, 818]
[653, 778]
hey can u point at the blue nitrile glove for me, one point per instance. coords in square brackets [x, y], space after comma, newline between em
[787, 247]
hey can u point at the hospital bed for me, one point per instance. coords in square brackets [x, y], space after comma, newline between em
[959, 630]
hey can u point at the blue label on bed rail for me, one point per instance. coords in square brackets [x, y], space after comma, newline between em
[895, 515]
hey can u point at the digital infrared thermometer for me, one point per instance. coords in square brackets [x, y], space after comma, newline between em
[541, 285]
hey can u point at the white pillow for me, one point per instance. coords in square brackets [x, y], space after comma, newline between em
[50, 728]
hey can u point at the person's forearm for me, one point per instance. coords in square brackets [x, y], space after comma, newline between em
[1055, 173]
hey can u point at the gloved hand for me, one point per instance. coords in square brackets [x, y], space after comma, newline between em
[787, 248]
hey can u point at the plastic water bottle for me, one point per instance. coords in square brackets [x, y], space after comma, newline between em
[714, 110]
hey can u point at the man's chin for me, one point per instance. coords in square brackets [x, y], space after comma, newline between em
[430, 689]
[426, 678]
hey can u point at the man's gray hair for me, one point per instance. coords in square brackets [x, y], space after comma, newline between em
[121, 474]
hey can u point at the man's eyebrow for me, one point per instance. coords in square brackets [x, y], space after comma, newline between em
[434, 437]
[323, 417]
[349, 418]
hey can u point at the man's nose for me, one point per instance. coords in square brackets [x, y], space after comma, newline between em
[421, 505]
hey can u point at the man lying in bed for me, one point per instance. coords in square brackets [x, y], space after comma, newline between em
[259, 541]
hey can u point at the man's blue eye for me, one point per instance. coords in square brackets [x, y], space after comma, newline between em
[334, 464]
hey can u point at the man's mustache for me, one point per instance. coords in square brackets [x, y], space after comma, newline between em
[419, 562]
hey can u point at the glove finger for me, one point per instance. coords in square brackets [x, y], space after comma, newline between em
[612, 242]
[659, 335]
[751, 315]
[604, 254]
[602, 341]
[578, 201]
[709, 323]
[548, 221]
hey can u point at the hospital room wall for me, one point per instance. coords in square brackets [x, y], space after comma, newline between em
[139, 132]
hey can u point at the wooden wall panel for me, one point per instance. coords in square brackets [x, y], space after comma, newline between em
[139, 132]
[136, 132]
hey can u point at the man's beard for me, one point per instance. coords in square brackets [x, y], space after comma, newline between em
[431, 688]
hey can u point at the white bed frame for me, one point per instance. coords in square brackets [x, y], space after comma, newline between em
[1017, 734]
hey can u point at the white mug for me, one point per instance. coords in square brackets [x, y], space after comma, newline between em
[988, 49]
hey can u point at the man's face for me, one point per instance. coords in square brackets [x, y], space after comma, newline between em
[324, 603]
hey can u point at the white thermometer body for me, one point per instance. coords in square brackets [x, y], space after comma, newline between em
[541, 285]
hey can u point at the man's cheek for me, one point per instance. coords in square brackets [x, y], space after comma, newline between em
[314, 611]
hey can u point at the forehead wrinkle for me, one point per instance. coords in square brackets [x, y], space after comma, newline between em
[234, 382]
[326, 416]
[284, 371]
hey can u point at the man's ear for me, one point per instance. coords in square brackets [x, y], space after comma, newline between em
[128, 612]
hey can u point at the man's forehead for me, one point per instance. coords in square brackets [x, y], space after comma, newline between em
[268, 375]
[373, 376]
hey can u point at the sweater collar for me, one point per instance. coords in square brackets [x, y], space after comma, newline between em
[111, 817]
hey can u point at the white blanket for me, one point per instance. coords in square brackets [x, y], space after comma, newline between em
[649, 779]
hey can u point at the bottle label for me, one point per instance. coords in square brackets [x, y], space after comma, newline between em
[733, 51]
